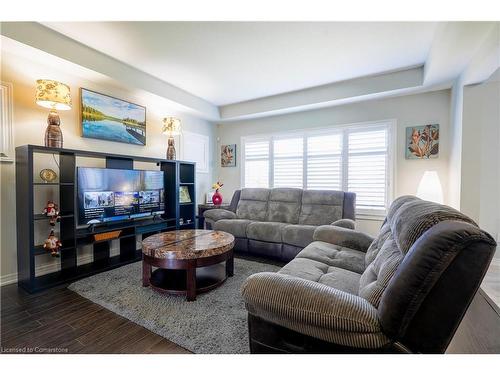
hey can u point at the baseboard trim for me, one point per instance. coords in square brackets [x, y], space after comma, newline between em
[44, 269]
[8, 279]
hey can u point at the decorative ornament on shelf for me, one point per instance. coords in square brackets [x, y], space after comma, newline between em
[55, 96]
[48, 175]
[171, 127]
[52, 211]
[52, 244]
[217, 197]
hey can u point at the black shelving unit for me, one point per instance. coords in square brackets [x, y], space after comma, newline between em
[73, 237]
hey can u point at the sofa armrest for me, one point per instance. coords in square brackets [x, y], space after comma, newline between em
[217, 214]
[345, 223]
[344, 237]
[313, 309]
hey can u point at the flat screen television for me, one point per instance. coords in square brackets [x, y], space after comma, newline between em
[106, 195]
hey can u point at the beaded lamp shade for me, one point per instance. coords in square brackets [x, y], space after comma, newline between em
[52, 94]
[171, 126]
[55, 96]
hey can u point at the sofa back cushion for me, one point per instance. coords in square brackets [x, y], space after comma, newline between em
[407, 220]
[253, 204]
[284, 205]
[321, 207]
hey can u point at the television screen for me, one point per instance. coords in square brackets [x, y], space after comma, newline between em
[118, 194]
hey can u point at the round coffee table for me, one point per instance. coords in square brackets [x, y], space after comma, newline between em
[189, 261]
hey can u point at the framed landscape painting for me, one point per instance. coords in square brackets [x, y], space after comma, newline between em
[111, 119]
[422, 142]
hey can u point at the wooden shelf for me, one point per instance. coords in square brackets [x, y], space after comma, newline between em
[53, 183]
[43, 217]
[39, 250]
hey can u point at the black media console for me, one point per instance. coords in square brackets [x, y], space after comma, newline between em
[73, 238]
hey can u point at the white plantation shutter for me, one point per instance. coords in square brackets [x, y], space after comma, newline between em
[288, 158]
[257, 164]
[367, 168]
[354, 159]
[324, 162]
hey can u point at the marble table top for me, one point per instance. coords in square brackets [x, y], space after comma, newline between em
[187, 244]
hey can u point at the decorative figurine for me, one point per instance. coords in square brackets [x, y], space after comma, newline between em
[52, 211]
[48, 175]
[53, 244]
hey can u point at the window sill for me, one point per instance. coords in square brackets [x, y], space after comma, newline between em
[371, 217]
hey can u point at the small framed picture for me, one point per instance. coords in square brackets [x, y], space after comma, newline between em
[209, 197]
[184, 196]
[422, 142]
[228, 155]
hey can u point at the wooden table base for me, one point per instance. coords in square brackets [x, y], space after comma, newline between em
[190, 282]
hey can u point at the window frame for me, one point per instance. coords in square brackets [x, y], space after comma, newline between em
[344, 130]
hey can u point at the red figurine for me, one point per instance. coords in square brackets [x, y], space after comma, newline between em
[52, 211]
[53, 244]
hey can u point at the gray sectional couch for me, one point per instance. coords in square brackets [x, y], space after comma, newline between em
[404, 291]
[278, 223]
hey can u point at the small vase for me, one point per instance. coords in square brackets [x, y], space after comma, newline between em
[217, 198]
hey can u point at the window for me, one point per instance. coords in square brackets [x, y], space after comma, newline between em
[367, 168]
[256, 164]
[353, 158]
[324, 162]
[287, 162]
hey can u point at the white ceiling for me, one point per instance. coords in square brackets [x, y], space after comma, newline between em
[230, 62]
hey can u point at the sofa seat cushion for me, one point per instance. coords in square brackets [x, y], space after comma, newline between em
[298, 235]
[335, 256]
[314, 309]
[237, 227]
[322, 273]
[265, 231]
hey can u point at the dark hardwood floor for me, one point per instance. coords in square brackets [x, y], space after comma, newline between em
[61, 321]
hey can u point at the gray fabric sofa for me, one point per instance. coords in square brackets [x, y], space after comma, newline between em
[404, 291]
[278, 223]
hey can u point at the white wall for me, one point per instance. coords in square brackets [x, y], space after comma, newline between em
[29, 122]
[419, 109]
[480, 185]
[455, 136]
